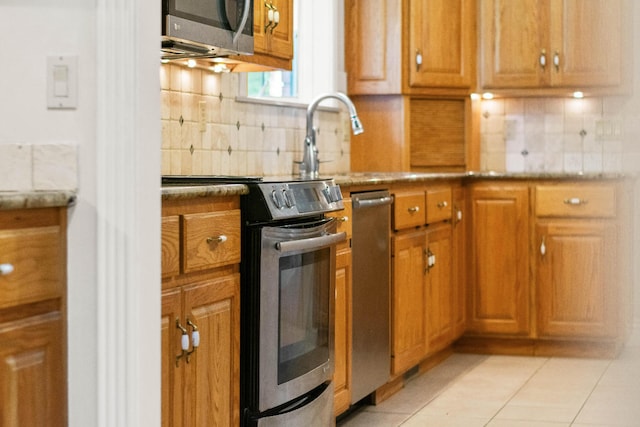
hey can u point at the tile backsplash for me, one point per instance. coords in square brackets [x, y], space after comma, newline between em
[38, 166]
[553, 135]
[206, 130]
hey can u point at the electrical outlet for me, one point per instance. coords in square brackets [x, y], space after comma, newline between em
[202, 116]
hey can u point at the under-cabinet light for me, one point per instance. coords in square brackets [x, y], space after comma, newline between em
[487, 95]
[578, 94]
[475, 96]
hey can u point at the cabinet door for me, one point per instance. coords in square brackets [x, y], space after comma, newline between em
[439, 308]
[342, 351]
[576, 281]
[408, 297]
[513, 37]
[499, 281]
[373, 40]
[585, 42]
[441, 51]
[269, 37]
[211, 389]
[172, 369]
[32, 374]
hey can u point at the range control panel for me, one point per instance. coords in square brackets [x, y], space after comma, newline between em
[301, 198]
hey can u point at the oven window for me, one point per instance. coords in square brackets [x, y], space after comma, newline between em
[304, 313]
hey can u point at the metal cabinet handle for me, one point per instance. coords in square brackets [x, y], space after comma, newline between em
[458, 211]
[413, 209]
[6, 269]
[431, 260]
[219, 239]
[556, 60]
[184, 342]
[575, 201]
[342, 219]
[195, 338]
[543, 247]
[543, 58]
[276, 19]
[442, 204]
[418, 59]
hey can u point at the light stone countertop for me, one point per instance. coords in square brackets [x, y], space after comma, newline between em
[10, 200]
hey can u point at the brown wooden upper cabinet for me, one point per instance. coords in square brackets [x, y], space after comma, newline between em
[272, 35]
[410, 47]
[551, 43]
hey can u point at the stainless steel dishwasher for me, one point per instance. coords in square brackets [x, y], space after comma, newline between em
[370, 362]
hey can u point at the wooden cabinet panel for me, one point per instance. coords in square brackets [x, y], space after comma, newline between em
[586, 42]
[342, 351]
[438, 204]
[408, 209]
[576, 282]
[170, 246]
[373, 46]
[459, 261]
[172, 378]
[410, 47]
[408, 314]
[574, 200]
[37, 260]
[211, 239]
[440, 294]
[513, 35]
[33, 382]
[213, 371]
[499, 300]
[441, 43]
[552, 43]
[272, 43]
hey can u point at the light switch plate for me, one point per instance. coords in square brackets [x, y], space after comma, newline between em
[62, 82]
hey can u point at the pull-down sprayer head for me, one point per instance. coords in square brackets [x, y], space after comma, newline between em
[310, 163]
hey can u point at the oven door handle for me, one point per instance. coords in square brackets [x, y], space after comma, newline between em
[311, 243]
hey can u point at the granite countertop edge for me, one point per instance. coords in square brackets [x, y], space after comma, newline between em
[10, 200]
[382, 178]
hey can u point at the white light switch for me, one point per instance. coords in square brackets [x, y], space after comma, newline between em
[62, 82]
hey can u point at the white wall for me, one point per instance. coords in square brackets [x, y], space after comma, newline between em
[36, 29]
[114, 376]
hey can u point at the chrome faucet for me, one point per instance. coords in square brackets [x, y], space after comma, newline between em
[309, 166]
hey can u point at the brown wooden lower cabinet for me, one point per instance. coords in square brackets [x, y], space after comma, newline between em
[342, 352]
[33, 380]
[201, 312]
[548, 268]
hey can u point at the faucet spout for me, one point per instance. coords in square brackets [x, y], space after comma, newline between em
[309, 167]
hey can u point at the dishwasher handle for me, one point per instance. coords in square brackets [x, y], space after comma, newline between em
[369, 203]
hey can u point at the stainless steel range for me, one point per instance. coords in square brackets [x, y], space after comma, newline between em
[287, 300]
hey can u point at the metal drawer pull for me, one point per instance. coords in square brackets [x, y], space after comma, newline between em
[220, 239]
[6, 269]
[342, 219]
[575, 201]
[414, 209]
[442, 204]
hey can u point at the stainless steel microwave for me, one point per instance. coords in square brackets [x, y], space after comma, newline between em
[206, 28]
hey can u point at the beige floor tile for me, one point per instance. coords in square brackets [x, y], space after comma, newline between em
[546, 413]
[373, 419]
[512, 423]
[612, 406]
[422, 420]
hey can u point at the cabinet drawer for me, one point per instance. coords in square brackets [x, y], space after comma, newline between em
[408, 210]
[438, 204]
[590, 200]
[35, 254]
[170, 246]
[211, 239]
[344, 218]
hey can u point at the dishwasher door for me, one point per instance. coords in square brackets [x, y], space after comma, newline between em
[370, 362]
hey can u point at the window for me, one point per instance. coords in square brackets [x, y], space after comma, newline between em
[317, 49]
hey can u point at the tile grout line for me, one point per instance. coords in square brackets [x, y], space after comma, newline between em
[518, 390]
[604, 371]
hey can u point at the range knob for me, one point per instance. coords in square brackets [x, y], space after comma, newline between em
[332, 193]
[289, 200]
[278, 198]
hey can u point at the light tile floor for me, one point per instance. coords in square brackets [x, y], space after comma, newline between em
[511, 391]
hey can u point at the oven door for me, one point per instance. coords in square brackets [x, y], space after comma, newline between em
[296, 309]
